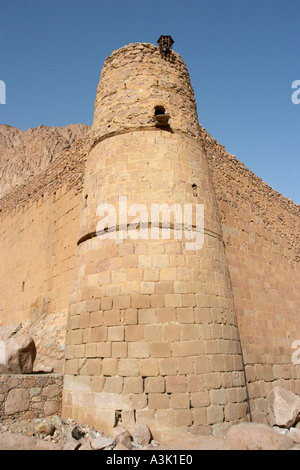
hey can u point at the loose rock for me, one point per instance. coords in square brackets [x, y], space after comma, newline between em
[141, 434]
[45, 428]
[255, 436]
[294, 434]
[283, 407]
[124, 439]
[120, 447]
[99, 443]
[77, 433]
[72, 444]
[20, 354]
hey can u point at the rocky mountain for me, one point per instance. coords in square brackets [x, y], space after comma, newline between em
[25, 154]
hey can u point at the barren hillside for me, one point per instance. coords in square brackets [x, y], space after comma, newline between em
[24, 154]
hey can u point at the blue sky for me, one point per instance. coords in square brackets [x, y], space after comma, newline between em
[242, 55]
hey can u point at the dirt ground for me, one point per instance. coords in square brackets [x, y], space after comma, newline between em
[56, 434]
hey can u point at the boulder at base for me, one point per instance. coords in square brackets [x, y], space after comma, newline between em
[20, 354]
[256, 436]
[141, 434]
[283, 408]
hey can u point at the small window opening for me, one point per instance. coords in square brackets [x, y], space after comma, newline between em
[159, 110]
[23, 286]
[161, 119]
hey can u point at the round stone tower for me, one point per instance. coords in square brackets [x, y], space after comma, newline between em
[152, 334]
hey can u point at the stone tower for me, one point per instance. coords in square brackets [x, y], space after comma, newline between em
[152, 334]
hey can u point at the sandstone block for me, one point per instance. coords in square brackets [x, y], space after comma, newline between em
[176, 384]
[215, 414]
[183, 417]
[149, 367]
[158, 401]
[138, 349]
[128, 367]
[154, 385]
[133, 385]
[165, 419]
[180, 400]
[255, 436]
[160, 349]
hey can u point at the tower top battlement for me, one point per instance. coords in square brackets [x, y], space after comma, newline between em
[135, 81]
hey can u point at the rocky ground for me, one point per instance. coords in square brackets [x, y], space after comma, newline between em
[54, 433]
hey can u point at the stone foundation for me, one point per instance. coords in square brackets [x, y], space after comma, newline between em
[30, 396]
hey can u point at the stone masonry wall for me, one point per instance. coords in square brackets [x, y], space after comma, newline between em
[39, 223]
[37, 245]
[261, 231]
[30, 396]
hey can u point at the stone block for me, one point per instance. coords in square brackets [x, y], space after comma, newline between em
[133, 385]
[158, 401]
[138, 349]
[149, 367]
[155, 385]
[160, 349]
[17, 400]
[128, 367]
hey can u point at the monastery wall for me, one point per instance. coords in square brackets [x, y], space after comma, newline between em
[261, 232]
[154, 332]
[39, 228]
[37, 251]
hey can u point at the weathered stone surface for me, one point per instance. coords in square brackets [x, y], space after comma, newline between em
[46, 369]
[100, 443]
[20, 353]
[255, 436]
[17, 400]
[12, 441]
[71, 444]
[85, 446]
[141, 434]
[2, 352]
[201, 430]
[123, 438]
[51, 407]
[294, 433]
[120, 447]
[45, 428]
[51, 391]
[283, 407]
